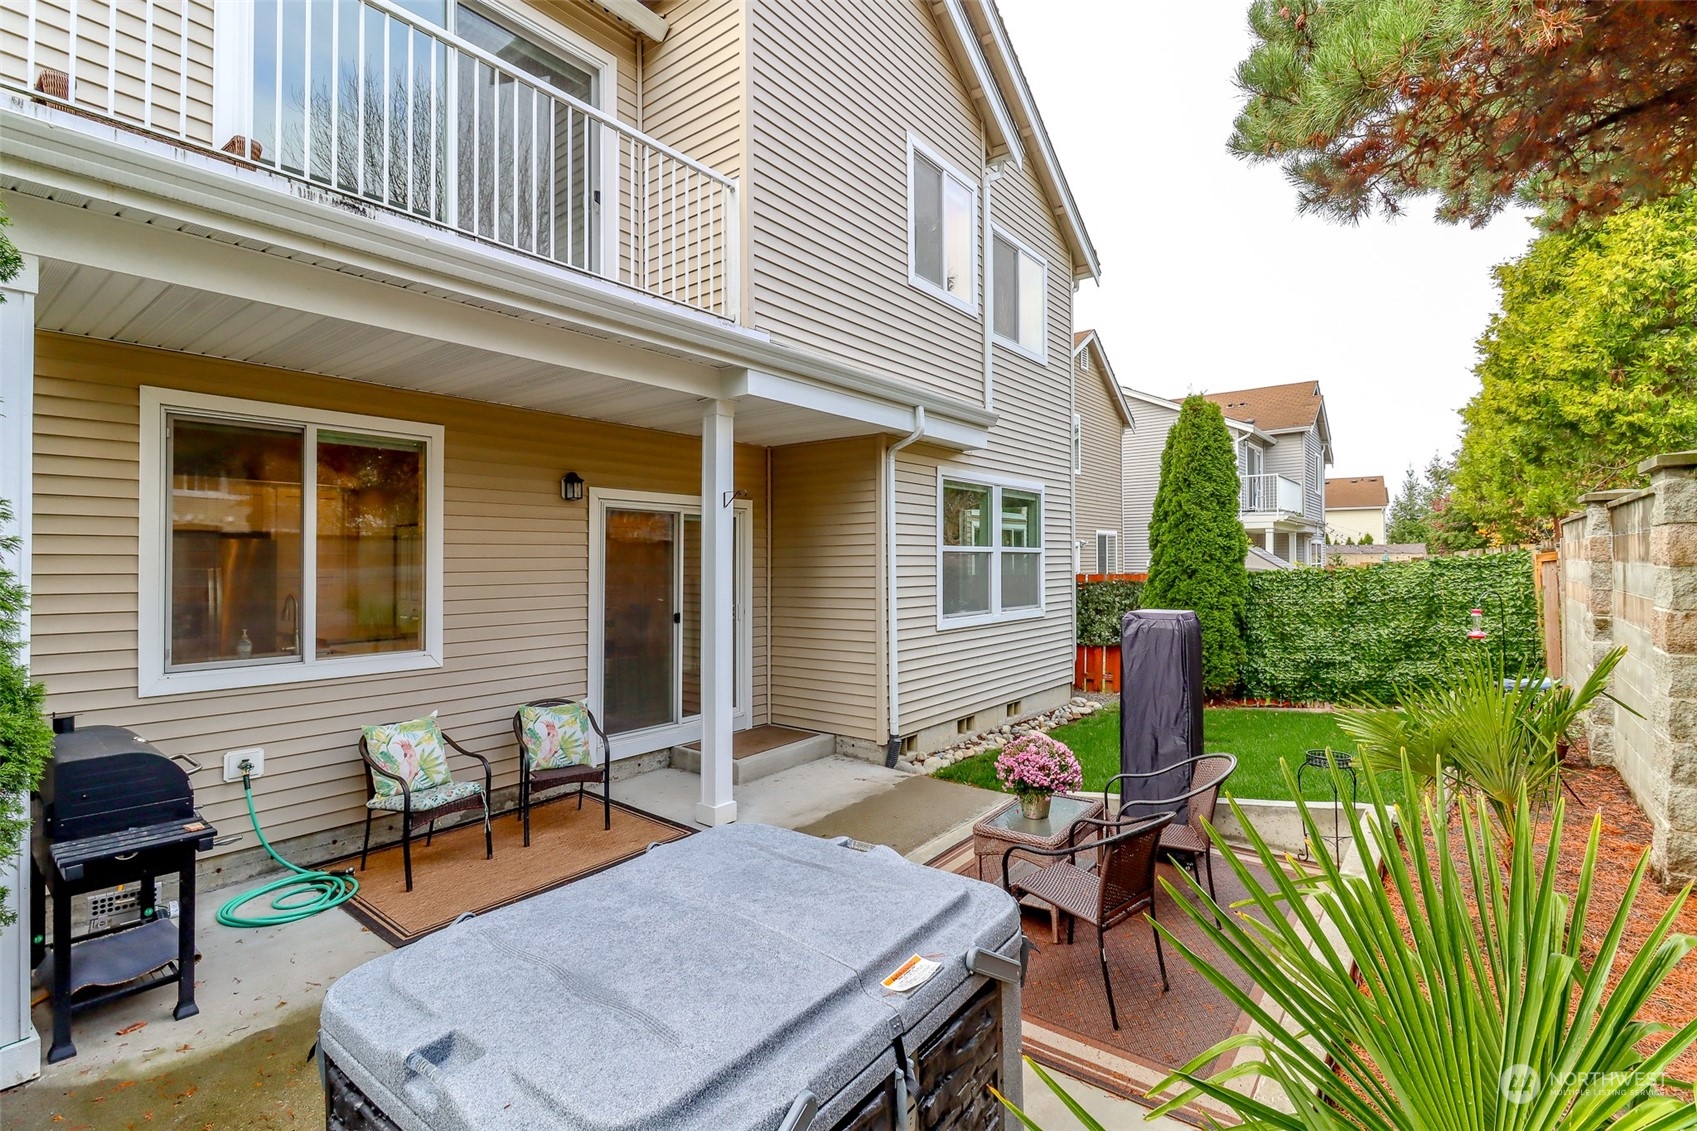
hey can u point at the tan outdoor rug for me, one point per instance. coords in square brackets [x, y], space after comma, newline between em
[1065, 1013]
[451, 877]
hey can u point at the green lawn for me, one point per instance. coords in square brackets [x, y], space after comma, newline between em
[1258, 737]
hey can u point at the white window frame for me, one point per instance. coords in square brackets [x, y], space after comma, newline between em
[1077, 443]
[995, 551]
[917, 145]
[232, 88]
[152, 678]
[1112, 539]
[1039, 353]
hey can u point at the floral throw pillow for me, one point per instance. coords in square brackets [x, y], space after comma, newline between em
[556, 737]
[413, 751]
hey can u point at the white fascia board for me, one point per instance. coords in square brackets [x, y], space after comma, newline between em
[1149, 398]
[885, 415]
[635, 14]
[1001, 125]
[1004, 59]
[106, 163]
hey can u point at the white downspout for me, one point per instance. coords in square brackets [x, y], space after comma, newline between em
[992, 171]
[893, 750]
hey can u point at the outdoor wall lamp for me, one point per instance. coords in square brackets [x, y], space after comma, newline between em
[571, 487]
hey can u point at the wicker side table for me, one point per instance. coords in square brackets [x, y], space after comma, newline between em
[1007, 828]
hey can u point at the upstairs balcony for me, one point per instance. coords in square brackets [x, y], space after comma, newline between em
[484, 133]
[1269, 494]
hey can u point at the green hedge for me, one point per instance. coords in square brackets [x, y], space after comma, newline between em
[1335, 635]
[1102, 605]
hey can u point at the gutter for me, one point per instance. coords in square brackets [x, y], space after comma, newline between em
[893, 749]
[182, 183]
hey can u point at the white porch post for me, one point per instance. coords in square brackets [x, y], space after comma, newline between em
[20, 1047]
[718, 637]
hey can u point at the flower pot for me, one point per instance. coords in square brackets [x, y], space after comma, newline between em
[1034, 806]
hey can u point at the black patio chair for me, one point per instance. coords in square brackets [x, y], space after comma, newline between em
[1122, 884]
[532, 779]
[1188, 842]
[425, 806]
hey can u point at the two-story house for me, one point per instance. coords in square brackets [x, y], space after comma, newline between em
[708, 359]
[1283, 444]
[1355, 509]
[1101, 419]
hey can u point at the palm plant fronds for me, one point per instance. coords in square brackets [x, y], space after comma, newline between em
[1479, 1012]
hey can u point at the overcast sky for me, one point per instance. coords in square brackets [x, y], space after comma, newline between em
[1210, 280]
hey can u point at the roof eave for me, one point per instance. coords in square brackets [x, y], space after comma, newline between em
[1115, 393]
[1003, 136]
[994, 45]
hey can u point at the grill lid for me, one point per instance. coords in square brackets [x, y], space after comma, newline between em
[103, 779]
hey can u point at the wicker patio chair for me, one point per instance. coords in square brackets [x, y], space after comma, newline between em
[430, 794]
[554, 770]
[1188, 842]
[1122, 884]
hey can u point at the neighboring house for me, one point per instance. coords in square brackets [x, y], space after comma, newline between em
[1283, 449]
[1374, 555]
[325, 306]
[1355, 509]
[1281, 464]
[1101, 421]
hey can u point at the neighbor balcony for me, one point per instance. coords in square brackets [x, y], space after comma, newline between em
[1269, 494]
[385, 110]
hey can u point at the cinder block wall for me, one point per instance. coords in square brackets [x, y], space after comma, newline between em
[1629, 579]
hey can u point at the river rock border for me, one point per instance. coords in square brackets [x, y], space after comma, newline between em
[1079, 707]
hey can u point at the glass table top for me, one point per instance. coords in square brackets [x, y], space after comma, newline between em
[1063, 811]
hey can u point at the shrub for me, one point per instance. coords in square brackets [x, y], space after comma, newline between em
[1196, 541]
[1339, 635]
[1101, 609]
[26, 740]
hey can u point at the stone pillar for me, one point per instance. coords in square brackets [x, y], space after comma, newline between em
[1673, 718]
[1596, 621]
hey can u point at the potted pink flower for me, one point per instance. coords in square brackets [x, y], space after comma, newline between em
[1037, 767]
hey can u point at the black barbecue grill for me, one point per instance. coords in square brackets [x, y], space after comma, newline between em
[112, 810]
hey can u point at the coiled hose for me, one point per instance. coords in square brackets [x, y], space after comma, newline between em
[300, 895]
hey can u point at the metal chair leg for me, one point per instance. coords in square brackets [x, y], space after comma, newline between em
[524, 808]
[1102, 954]
[406, 847]
[429, 832]
[1160, 958]
[580, 797]
[365, 850]
[488, 831]
[1212, 894]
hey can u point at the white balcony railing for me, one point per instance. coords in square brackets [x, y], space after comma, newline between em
[365, 99]
[1264, 494]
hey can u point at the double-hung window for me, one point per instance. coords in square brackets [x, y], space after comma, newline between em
[991, 551]
[942, 227]
[1020, 286]
[1107, 551]
[281, 544]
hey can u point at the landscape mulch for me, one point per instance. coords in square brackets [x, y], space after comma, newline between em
[1625, 837]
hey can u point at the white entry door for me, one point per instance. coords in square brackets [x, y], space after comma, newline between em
[645, 618]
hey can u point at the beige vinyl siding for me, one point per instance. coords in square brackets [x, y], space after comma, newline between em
[1293, 456]
[951, 672]
[515, 587]
[835, 90]
[826, 656]
[114, 43]
[1143, 450]
[694, 95]
[1100, 490]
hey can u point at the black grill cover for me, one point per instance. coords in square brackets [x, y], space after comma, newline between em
[1160, 705]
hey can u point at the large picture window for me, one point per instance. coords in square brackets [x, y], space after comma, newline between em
[942, 230]
[289, 545]
[990, 549]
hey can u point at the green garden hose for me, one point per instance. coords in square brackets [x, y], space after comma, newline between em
[300, 895]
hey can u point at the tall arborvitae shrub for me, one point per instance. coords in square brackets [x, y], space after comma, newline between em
[25, 738]
[1196, 542]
